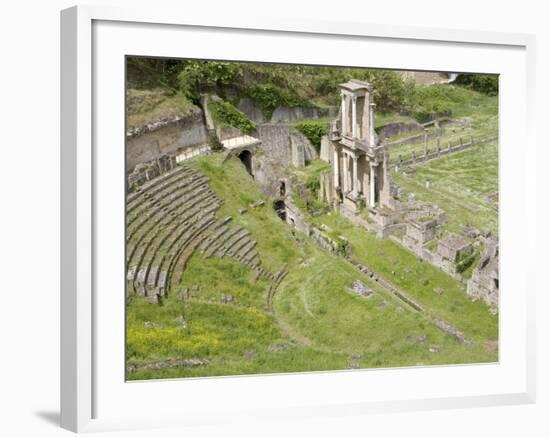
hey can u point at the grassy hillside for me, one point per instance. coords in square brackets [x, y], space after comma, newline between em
[150, 106]
[317, 321]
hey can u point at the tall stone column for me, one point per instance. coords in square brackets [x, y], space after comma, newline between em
[354, 116]
[355, 177]
[344, 116]
[371, 122]
[371, 185]
[344, 172]
[336, 164]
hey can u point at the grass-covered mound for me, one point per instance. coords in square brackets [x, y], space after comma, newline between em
[150, 106]
[317, 321]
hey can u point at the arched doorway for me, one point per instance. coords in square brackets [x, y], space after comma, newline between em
[246, 158]
[280, 208]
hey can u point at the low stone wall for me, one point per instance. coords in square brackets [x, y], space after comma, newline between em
[399, 128]
[287, 114]
[295, 217]
[415, 138]
[192, 151]
[444, 150]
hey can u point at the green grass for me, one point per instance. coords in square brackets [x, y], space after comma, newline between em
[312, 171]
[406, 271]
[459, 184]
[223, 275]
[479, 110]
[383, 119]
[150, 107]
[317, 320]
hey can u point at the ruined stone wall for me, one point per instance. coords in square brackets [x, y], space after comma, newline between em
[484, 281]
[280, 114]
[282, 146]
[165, 138]
[326, 151]
[295, 218]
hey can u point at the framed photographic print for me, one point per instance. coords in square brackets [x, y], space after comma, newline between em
[327, 210]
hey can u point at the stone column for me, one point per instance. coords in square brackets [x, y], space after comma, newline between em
[345, 173]
[371, 122]
[355, 177]
[425, 141]
[371, 185]
[336, 164]
[354, 116]
[344, 115]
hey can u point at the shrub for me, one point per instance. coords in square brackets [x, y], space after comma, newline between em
[225, 114]
[465, 263]
[215, 144]
[486, 84]
[313, 131]
[207, 76]
[269, 96]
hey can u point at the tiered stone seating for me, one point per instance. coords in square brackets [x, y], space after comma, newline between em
[132, 197]
[168, 219]
[277, 279]
[169, 190]
[167, 214]
[164, 207]
[181, 237]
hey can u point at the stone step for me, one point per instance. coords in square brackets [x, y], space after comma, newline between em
[181, 201]
[149, 185]
[240, 244]
[229, 243]
[157, 226]
[221, 240]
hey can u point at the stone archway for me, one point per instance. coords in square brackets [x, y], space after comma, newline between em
[280, 208]
[246, 158]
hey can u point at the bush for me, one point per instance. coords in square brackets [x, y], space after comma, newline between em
[486, 84]
[197, 77]
[225, 114]
[313, 130]
[269, 96]
[465, 263]
[215, 144]
[427, 100]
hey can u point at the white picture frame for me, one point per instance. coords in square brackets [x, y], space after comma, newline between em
[91, 395]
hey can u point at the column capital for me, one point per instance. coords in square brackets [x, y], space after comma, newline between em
[354, 98]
